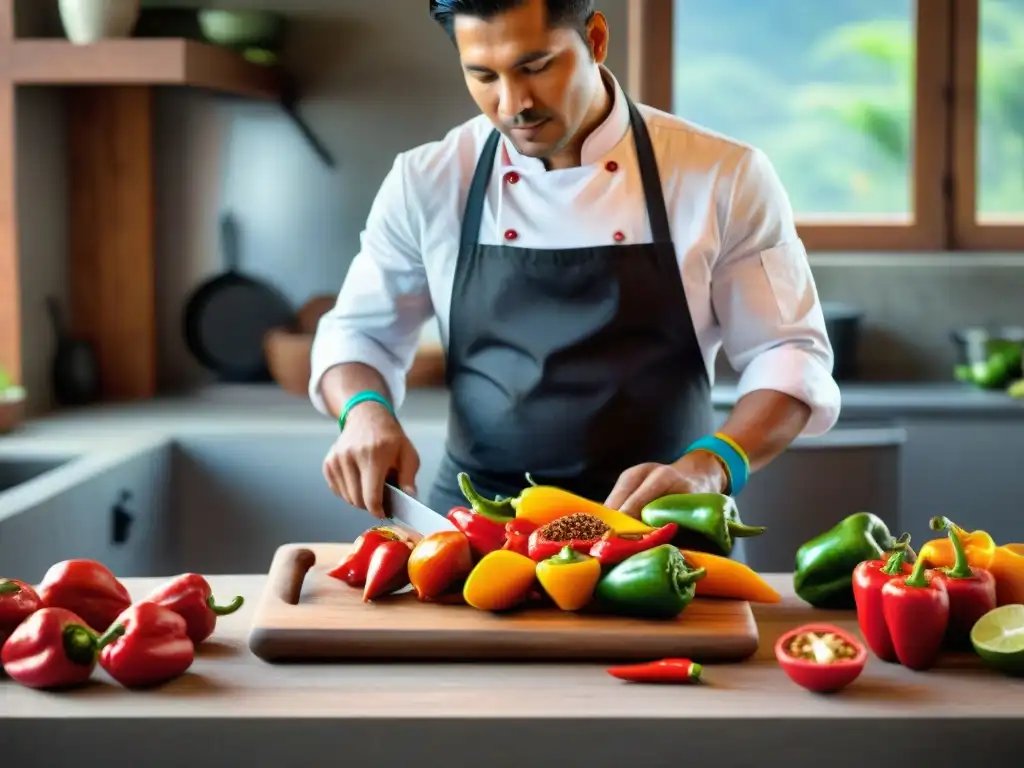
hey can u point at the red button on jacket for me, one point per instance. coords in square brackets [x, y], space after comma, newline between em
[511, 234]
[611, 166]
[512, 177]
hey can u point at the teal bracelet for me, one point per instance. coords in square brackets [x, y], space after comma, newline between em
[366, 396]
[737, 465]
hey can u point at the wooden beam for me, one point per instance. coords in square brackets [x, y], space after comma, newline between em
[112, 213]
[10, 279]
[997, 233]
[649, 52]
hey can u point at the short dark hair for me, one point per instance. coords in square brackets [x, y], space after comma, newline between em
[565, 13]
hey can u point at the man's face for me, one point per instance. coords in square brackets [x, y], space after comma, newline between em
[535, 82]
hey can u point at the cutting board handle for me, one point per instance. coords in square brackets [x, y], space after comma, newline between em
[287, 580]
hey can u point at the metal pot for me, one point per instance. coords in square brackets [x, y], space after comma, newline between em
[843, 324]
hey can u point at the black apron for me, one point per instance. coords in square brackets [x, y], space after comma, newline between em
[574, 364]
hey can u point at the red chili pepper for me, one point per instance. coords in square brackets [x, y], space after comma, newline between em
[52, 648]
[387, 570]
[191, 597]
[86, 588]
[868, 579]
[612, 549]
[916, 609]
[664, 671]
[484, 534]
[972, 591]
[517, 535]
[18, 601]
[540, 548]
[148, 645]
[352, 570]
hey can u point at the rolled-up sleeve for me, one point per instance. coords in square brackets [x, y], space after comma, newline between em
[765, 299]
[384, 300]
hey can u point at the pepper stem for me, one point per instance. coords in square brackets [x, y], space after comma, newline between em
[79, 644]
[110, 636]
[530, 480]
[9, 587]
[917, 577]
[940, 523]
[224, 610]
[567, 556]
[744, 531]
[961, 565]
[894, 565]
[499, 511]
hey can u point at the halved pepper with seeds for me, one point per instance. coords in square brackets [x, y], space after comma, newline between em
[580, 532]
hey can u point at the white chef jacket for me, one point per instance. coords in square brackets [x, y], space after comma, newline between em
[744, 269]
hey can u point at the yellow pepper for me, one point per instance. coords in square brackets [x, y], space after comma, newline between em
[541, 504]
[569, 578]
[729, 579]
[1005, 563]
[501, 580]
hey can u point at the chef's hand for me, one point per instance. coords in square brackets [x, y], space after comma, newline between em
[370, 447]
[697, 472]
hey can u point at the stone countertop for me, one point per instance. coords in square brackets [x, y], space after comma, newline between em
[392, 714]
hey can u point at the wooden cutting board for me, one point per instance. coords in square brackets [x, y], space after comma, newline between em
[305, 614]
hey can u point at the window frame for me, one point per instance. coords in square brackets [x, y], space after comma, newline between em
[943, 169]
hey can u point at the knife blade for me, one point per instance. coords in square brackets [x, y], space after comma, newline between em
[408, 512]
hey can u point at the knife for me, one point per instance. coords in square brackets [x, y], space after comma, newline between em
[412, 514]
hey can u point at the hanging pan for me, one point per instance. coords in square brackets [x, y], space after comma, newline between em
[227, 317]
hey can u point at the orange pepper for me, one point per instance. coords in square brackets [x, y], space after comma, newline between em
[729, 579]
[541, 504]
[978, 545]
[1008, 568]
[569, 578]
[501, 580]
[1006, 563]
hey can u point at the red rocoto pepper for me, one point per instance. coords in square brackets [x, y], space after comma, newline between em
[612, 549]
[52, 648]
[485, 535]
[868, 579]
[190, 596]
[148, 645]
[517, 535]
[387, 571]
[18, 601]
[972, 591]
[916, 610]
[540, 548]
[664, 671]
[86, 588]
[352, 570]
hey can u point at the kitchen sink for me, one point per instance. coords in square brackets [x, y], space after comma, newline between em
[15, 471]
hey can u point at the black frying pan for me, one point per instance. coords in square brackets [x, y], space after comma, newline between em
[226, 318]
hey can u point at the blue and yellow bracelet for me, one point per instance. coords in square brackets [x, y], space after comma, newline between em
[732, 456]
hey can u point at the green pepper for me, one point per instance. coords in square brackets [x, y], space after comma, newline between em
[657, 583]
[500, 510]
[708, 522]
[825, 564]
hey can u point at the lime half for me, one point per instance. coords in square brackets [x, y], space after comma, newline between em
[998, 637]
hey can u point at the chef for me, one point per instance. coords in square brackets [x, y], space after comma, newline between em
[586, 259]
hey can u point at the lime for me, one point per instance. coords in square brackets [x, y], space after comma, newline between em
[998, 638]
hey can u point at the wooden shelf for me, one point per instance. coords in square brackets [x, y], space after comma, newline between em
[139, 62]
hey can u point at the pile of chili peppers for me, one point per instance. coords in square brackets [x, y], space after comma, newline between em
[910, 615]
[81, 617]
[574, 554]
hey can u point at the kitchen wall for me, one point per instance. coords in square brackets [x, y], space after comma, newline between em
[382, 78]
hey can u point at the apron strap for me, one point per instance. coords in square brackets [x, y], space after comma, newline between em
[473, 214]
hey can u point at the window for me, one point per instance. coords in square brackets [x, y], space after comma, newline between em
[891, 127]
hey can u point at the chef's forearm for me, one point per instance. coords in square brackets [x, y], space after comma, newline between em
[341, 382]
[764, 423]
